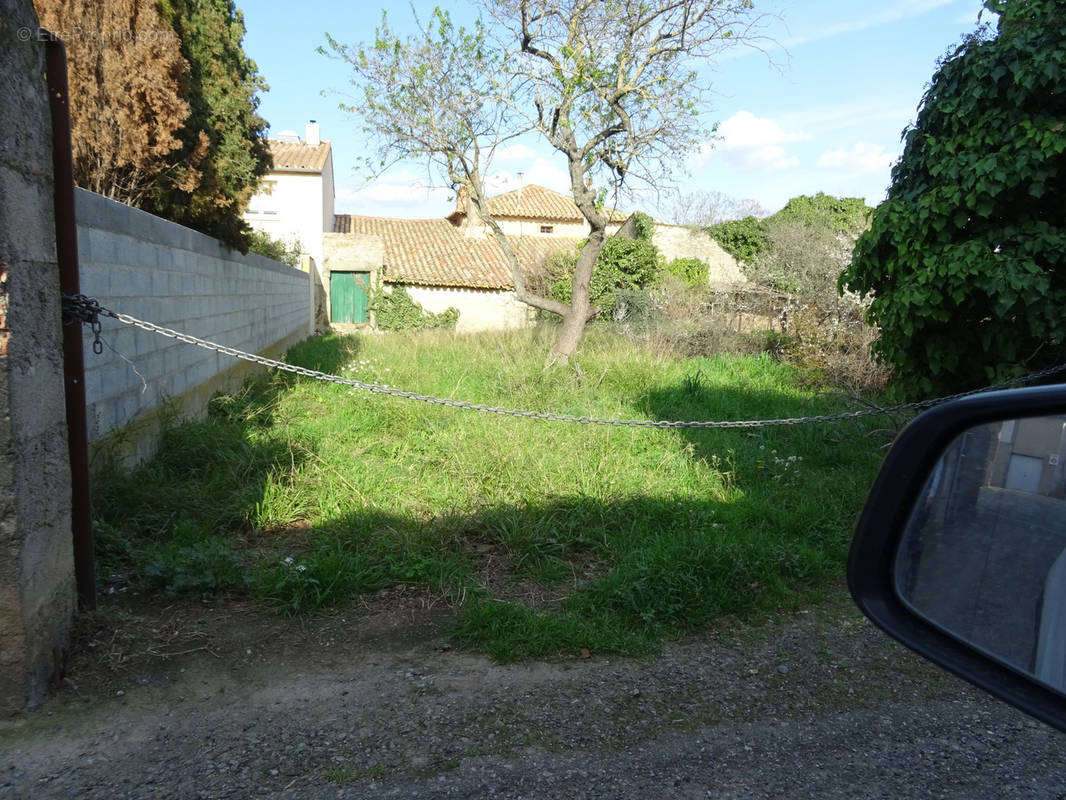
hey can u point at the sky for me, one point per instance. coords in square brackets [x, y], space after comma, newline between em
[823, 113]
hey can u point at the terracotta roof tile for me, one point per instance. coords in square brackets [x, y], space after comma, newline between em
[537, 203]
[433, 252]
[298, 155]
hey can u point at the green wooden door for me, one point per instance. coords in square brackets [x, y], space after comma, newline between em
[348, 293]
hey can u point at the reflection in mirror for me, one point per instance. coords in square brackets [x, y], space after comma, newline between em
[983, 556]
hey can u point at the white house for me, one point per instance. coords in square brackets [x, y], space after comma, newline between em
[295, 199]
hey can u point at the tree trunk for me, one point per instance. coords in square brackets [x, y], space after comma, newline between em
[574, 320]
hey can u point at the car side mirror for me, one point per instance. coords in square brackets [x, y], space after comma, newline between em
[960, 552]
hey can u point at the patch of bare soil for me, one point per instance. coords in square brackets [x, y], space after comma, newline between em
[224, 699]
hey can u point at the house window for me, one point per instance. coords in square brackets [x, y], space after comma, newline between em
[259, 204]
[547, 228]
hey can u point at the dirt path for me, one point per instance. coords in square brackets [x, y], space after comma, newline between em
[223, 700]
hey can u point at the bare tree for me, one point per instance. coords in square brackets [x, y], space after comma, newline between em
[614, 87]
[706, 207]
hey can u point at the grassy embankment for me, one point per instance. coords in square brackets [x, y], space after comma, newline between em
[549, 537]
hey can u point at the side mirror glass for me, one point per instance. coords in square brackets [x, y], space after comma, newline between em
[983, 554]
[960, 552]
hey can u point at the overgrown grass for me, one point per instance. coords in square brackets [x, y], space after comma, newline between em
[549, 538]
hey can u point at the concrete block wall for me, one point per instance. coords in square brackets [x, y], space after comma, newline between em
[37, 592]
[161, 272]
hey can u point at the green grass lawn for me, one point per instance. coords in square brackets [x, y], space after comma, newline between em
[548, 537]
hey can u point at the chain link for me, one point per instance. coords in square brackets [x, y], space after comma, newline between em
[89, 311]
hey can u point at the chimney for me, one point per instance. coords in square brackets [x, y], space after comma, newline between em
[312, 135]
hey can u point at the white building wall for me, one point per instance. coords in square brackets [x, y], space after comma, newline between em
[328, 197]
[479, 309]
[295, 208]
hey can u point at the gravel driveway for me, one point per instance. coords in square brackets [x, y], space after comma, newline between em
[225, 700]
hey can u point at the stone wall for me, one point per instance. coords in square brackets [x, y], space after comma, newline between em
[37, 593]
[161, 272]
[677, 241]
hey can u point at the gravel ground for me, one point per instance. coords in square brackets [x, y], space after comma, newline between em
[197, 701]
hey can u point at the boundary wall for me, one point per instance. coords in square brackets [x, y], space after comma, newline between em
[162, 272]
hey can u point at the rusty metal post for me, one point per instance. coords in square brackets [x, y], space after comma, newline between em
[73, 358]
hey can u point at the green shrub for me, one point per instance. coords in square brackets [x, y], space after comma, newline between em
[691, 270]
[622, 264]
[644, 226]
[636, 308]
[742, 238]
[847, 216]
[276, 249]
[396, 311]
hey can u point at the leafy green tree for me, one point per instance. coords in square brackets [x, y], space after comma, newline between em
[966, 258]
[223, 136]
[750, 238]
[805, 246]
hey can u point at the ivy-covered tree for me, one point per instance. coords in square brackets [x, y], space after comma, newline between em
[224, 136]
[842, 216]
[966, 258]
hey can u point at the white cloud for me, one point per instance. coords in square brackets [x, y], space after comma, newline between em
[744, 131]
[541, 172]
[514, 152]
[401, 194]
[860, 157]
[753, 143]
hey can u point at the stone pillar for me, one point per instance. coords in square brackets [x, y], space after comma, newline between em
[37, 590]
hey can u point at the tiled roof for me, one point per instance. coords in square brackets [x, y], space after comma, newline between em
[537, 203]
[433, 252]
[298, 155]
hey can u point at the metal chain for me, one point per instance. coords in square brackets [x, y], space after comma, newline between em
[88, 310]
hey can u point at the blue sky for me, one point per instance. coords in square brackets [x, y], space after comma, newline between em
[826, 116]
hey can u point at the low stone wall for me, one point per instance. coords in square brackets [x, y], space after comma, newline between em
[164, 273]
